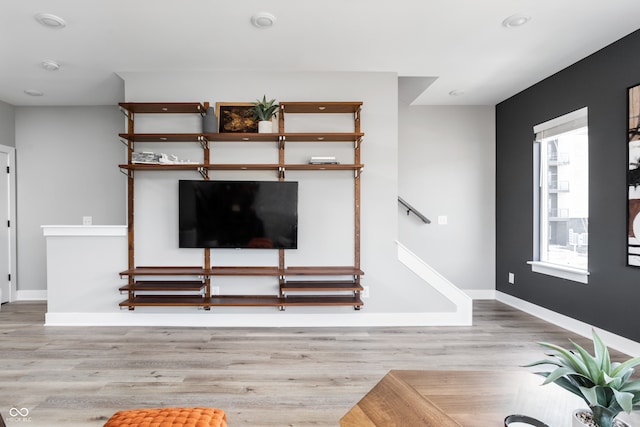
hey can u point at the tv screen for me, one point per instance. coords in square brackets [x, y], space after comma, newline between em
[238, 214]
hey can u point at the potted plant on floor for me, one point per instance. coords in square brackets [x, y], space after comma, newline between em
[264, 111]
[605, 386]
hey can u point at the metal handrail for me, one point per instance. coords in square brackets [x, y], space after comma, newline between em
[411, 209]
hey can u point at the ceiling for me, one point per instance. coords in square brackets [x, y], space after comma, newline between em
[436, 46]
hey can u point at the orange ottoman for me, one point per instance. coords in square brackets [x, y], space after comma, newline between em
[169, 417]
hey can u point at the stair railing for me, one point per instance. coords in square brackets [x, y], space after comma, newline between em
[412, 210]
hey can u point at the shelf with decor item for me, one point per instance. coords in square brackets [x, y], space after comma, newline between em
[168, 286]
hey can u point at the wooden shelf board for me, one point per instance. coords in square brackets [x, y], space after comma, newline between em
[158, 166]
[165, 271]
[240, 301]
[165, 301]
[197, 107]
[165, 285]
[246, 301]
[245, 271]
[163, 107]
[323, 137]
[241, 167]
[162, 137]
[238, 167]
[242, 137]
[322, 167]
[323, 271]
[317, 300]
[316, 107]
[307, 286]
[242, 271]
[199, 271]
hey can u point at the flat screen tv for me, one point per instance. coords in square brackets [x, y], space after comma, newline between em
[238, 214]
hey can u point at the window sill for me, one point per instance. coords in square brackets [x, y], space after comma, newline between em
[562, 272]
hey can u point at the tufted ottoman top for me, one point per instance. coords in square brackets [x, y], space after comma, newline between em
[169, 417]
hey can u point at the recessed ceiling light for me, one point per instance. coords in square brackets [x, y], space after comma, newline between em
[33, 92]
[50, 65]
[263, 20]
[515, 21]
[456, 92]
[51, 21]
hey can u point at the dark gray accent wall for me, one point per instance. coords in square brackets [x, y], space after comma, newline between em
[611, 299]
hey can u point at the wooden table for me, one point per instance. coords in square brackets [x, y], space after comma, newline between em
[463, 398]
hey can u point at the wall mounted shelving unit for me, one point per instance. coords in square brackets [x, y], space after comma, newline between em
[298, 286]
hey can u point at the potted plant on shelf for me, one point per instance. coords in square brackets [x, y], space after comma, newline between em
[264, 111]
[605, 386]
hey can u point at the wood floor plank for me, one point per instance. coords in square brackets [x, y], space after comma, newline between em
[264, 377]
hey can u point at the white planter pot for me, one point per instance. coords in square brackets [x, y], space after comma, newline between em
[265, 126]
[577, 422]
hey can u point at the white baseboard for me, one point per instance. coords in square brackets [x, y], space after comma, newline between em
[209, 319]
[477, 294]
[614, 341]
[25, 295]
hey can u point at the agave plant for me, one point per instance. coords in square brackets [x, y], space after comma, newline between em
[604, 385]
[264, 110]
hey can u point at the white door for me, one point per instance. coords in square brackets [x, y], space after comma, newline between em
[7, 224]
[5, 246]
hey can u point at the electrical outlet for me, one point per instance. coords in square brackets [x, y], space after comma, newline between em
[512, 278]
[87, 220]
[443, 220]
[365, 292]
[215, 290]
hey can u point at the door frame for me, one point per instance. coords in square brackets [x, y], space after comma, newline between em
[13, 265]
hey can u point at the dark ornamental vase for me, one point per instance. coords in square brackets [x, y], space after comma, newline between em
[210, 121]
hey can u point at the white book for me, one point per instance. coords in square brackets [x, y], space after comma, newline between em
[323, 160]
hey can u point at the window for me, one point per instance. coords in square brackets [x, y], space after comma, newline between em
[561, 197]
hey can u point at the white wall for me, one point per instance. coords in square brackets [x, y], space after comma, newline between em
[447, 168]
[393, 287]
[66, 169]
[7, 124]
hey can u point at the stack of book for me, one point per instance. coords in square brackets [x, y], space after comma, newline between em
[318, 160]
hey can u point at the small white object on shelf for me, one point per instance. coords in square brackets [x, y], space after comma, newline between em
[147, 157]
[323, 160]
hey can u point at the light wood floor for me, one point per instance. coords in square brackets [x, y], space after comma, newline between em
[80, 376]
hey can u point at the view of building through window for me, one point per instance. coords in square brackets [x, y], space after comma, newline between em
[563, 197]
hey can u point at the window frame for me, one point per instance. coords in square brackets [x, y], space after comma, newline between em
[559, 125]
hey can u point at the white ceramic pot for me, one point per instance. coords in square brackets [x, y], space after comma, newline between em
[265, 126]
[577, 421]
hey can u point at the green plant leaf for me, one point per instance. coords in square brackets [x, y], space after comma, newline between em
[568, 357]
[624, 399]
[590, 395]
[632, 387]
[557, 373]
[626, 375]
[543, 362]
[263, 109]
[614, 382]
[591, 364]
[601, 352]
[625, 365]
